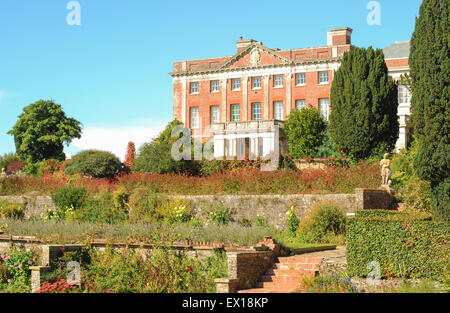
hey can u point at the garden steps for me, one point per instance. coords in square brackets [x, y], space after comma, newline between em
[284, 275]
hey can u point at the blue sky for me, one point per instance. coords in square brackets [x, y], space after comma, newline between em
[111, 72]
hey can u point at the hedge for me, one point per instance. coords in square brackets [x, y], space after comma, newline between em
[405, 245]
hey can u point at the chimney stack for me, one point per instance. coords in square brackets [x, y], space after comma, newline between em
[339, 36]
[242, 44]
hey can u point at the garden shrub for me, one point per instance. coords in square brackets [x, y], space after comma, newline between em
[216, 265]
[120, 198]
[94, 163]
[7, 159]
[174, 210]
[15, 166]
[103, 209]
[218, 215]
[412, 190]
[142, 205]
[17, 274]
[48, 167]
[291, 221]
[163, 271]
[70, 196]
[405, 245]
[12, 210]
[261, 221]
[321, 223]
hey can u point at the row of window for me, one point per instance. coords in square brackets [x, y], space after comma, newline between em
[278, 111]
[278, 82]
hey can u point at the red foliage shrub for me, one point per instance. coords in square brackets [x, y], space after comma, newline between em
[62, 286]
[240, 180]
[129, 158]
[15, 166]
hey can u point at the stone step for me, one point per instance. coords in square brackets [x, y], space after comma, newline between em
[288, 272]
[278, 285]
[280, 279]
[299, 259]
[295, 266]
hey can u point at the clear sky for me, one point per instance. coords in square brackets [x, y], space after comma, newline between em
[111, 72]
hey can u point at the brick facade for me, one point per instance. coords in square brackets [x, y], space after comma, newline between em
[255, 60]
[277, 71]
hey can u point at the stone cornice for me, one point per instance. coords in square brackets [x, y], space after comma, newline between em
[248, 68]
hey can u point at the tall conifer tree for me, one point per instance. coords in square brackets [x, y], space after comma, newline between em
[429, 63]
[363, 121]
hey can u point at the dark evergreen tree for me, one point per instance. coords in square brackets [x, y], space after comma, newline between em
[429, 63]
[363, 120]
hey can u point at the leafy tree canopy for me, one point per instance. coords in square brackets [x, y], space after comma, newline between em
[305, 130]
[41, 131]
[156, 156]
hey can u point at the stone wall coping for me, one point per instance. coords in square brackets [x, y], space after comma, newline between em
[39, 268]
[296, 195]
[233, 253]
[103, 242]
[226, 280]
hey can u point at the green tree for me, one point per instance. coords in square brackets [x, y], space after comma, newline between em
[156, 156]
[363, 121]
[94, 163]
[41, 131]
[429, 62]
[305, 130]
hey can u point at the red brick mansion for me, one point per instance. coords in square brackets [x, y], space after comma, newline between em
[239, 101]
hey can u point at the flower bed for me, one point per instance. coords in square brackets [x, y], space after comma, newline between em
[242, 181]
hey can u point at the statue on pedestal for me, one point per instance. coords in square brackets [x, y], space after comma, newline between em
[385, 170]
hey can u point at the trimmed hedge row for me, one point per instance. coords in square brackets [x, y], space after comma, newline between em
[404, 245]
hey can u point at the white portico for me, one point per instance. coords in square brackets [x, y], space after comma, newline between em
[255, 138]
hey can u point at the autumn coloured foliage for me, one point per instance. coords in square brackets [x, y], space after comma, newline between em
[239, 181]
[131, 154]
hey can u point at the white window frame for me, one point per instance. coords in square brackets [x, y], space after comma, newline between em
[325, 112]
[214, 112]
[235, 84]
[254, 80]
[215, 86]
[234, 114]
[322, 76]
[256, 113]
[297, 80]
[404, 96]
[194, 90]
[278, 110]
[278, 81]
[303, 104]
[195, 118]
